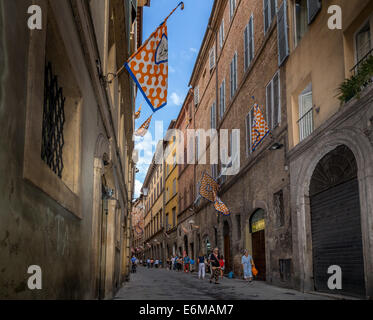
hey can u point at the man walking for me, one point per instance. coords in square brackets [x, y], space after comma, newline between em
[201, 266]
[215, 265]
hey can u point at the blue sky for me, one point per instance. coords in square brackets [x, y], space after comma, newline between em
[185, 34]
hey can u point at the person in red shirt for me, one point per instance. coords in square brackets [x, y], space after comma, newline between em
[222, 264]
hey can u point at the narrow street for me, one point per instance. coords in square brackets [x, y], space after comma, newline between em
[162, 284]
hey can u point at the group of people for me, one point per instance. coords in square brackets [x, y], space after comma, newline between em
[214, 264]
[157, 263]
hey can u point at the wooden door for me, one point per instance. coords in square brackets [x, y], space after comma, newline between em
[227, 253]
[259, 253]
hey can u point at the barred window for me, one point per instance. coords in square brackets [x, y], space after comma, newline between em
[53, 122]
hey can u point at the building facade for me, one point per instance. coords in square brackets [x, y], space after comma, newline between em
[171, 204]
[187, 231]
[66, 147]
[154, 217]
[331, 153]
[137, 223]
[240, 64]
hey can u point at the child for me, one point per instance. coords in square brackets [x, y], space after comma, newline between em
[222, 264]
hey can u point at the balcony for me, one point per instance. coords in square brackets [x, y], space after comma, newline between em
[362, 76]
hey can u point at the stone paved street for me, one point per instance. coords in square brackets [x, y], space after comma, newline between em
[161, 284]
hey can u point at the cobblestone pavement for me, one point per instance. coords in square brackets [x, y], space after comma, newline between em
[162, 284]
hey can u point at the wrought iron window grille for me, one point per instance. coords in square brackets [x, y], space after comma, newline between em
[53, 122]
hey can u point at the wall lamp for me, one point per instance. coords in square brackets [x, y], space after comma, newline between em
[276, 146]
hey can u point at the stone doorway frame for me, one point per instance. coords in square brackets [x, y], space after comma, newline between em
[303, 168]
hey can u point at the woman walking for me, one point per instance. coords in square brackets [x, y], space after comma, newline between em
[222, 264]
[247, 263]
[201, 266]
[215, 265]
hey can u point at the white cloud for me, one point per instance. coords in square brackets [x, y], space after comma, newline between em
[176, 99]
[171, 69]
[194, 50]
[138, 186]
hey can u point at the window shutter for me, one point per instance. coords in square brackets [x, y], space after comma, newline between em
[232, 92]
[273, 9]
[314, 6]
[196, 96]
[235, 71]
[266, 14]
[212, 58]
[276, 101]
[223, 96]
[251, 39]
[269, 105]
[282, 34]
[246, 47]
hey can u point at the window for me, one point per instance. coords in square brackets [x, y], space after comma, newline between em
[167, 195]
[249, 122]
[363, 42]
[222, 99]
[174, 159]
[53, 122]
[196, 96]
[273, 93]
[301, 19]
[197, 145]
[232, 8]
[282, 34]
[213, 116]
[234, 75]
[249, 43]
[167, 224]
[221, 34]
[278, 208]
[314, 6]
[174, 216]
[173, 187]
[305, 121]
[212, 58]
[269, 11]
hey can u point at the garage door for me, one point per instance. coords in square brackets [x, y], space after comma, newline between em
[337, 239]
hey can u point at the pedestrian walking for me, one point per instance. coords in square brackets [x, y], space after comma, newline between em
[179, 264]
[168, 261]
[133, 261]
[247, 264]
[192, 262]
[186, 263]
[215, 265]
[201, 266]
[148, 263]
[151, 263]
[222, 265]
[156, 263]
[173, 262]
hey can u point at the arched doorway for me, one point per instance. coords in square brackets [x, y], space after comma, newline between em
[257, 229]
[335, 222]
[227, 246]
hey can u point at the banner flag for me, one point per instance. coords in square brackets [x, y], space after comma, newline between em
[148, 66]
[138, 113]
[220, 206]
[259, 129]
[142, 131]
[208, 187]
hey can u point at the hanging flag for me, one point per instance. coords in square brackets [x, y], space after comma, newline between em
[259, 129]
[208, 187]
[184, 230]
[141, 132]
[220, 206]
[149, 66]
[138, 113]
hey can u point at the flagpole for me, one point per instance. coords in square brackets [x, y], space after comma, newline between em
[146, 42]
